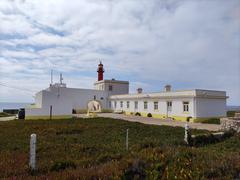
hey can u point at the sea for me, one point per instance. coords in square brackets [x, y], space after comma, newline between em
[233, 108]
[12, 105]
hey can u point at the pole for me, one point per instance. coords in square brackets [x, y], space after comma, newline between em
[33, 141]
[51, 77]
[127, 140]
[186, 136]
[51, 112]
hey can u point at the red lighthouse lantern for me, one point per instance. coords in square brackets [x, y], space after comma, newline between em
[100, 71]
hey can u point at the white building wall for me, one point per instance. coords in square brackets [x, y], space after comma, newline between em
[207, 107]
[118, 87]
[177, 106]
[60, 105]
[79, 98]
[202, 103]
[64, 100]
[38, 99]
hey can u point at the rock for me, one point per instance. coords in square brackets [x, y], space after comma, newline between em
[230, 123]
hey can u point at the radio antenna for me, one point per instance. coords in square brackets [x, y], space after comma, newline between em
[51, 77]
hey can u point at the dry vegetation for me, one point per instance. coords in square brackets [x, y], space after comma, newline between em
[95, 149]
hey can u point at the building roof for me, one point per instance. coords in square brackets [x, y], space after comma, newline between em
[175, 94]
[112, 81]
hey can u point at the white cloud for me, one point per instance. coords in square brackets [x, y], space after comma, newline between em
[189, 43]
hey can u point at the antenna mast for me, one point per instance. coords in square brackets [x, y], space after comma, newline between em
[61, 78]
[51, 77]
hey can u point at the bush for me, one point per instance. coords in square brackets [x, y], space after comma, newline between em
[149, 115]
[201, 140]
[188, 118]
[137, 114]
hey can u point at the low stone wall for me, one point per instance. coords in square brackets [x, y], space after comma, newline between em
[230, 123]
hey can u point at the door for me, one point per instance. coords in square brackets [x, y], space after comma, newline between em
[169, 108]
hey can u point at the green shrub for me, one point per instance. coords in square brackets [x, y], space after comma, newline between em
[201, 140]
[149, 115]
[205, 139]
[137, 114]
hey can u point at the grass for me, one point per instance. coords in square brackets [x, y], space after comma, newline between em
[95, 149]
[210, 121]
[3, 114]
[231, 113]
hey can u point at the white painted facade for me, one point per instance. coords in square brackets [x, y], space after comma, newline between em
[63, 100]
[112, 86]
[192, 104]
[114, 94]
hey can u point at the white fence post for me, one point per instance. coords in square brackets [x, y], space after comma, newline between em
[127, 140]
[186, 136]
[33, 142]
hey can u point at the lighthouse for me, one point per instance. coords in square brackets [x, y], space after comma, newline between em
[100, 71]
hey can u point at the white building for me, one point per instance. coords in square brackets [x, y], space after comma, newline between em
[180, 105]
[59, 101]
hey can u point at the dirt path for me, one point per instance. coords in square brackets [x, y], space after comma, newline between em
[7, 118]
[167, 122]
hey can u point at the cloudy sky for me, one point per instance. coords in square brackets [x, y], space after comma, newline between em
[186, 43]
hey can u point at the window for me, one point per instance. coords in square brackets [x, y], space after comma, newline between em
[121, 104]
[185, 106]
[169, 105]
[115, 104]
[110, 104]
[145, 104]
[155, 105]
[128, 104]
[136, 105]
[110, 87]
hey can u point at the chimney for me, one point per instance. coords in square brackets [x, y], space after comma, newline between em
[139, 90]
[167, 88]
